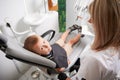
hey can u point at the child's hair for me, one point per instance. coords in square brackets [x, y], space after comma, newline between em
[30, 42]
[105, 15]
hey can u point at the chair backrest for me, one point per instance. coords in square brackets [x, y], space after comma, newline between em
[15, 51]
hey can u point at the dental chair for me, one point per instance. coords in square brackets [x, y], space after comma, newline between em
[14, 51]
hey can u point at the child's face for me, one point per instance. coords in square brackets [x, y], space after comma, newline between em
[43, 47]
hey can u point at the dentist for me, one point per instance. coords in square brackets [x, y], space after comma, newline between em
[101, 59]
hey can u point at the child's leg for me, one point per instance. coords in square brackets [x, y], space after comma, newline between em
[63, 37]
[71, 42]
[74, 40]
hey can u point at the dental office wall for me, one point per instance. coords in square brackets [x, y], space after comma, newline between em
[70, 13]
[13, 11]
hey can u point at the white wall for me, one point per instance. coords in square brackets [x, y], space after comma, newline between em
[12, 10]
[70, 13]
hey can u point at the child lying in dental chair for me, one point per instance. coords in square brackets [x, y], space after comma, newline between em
[57, 52]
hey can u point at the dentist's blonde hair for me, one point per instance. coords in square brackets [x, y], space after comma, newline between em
[105, 15]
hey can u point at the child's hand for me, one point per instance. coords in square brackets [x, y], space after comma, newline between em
[60, 69]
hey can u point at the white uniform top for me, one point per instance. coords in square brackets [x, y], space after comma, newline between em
[102, 65]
